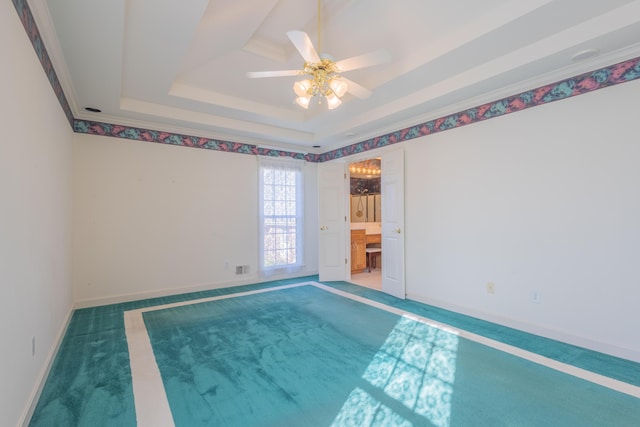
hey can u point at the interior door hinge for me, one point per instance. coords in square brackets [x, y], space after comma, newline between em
[345, 261]
[345, 175]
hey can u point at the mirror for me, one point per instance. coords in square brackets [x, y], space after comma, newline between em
[365, 191]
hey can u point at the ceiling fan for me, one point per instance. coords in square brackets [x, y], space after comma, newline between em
[323, 73]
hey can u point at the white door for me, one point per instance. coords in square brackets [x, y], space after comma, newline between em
[392, 190]
[332, 220]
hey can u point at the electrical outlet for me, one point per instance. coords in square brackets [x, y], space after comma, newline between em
[535, 296]
[226, 264]
[491, 288]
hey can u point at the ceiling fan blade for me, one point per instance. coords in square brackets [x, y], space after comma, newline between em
[282, 73]
[356, 90]
[302, 42]
[362, 61]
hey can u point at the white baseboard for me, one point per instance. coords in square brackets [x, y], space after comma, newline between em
[27, 413]
[136, 296]
[554, 334]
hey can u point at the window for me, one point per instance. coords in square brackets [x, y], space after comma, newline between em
[281, 215]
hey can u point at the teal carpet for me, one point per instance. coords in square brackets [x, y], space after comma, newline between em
[306, 357]
[283, 358]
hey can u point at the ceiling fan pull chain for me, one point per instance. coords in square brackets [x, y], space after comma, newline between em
[319, 23]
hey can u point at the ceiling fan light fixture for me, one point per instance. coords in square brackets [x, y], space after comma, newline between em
[322, 72]
[301, 88]
[303, 101]
[324, 83]
[338, 86]
[332, 101]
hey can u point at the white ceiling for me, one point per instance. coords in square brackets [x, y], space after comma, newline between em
[181, 66]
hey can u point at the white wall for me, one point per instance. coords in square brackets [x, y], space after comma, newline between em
[547, 199]
[154, 219]
[35, 219]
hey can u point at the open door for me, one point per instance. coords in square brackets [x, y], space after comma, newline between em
[392, 188]
[332, 220]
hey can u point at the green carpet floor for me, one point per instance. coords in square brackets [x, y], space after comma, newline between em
[306, 357]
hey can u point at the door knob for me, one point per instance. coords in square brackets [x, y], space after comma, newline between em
[324, 227]
[397, 230]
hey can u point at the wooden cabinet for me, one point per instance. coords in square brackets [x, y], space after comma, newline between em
[358, 253]
[374, 238]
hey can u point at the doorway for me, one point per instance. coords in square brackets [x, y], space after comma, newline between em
[365, 213]
[334, 226]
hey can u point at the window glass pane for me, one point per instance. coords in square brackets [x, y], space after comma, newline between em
[268, 176]
[269, 259]
[279, 208]
[268, 242]
[268, 192]
[290, 193]
[279, 193]
[291, 208]
[291, 256]
[268, 208]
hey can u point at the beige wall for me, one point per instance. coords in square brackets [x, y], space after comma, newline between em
[542, 200]
[35, 219]
[152, 219]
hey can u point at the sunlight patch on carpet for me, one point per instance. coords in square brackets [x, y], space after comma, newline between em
[415, 367]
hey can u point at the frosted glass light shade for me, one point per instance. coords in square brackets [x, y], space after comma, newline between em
[333, 101]
[302, 87]
[339, 87]
[303, 101]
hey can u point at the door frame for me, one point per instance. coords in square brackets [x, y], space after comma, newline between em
[379, 152]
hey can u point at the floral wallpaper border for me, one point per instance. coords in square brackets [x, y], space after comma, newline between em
[615, 74]
[622, 72]
[29, 24]
[126, 132]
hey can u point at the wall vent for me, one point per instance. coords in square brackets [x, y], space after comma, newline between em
[242, 269]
